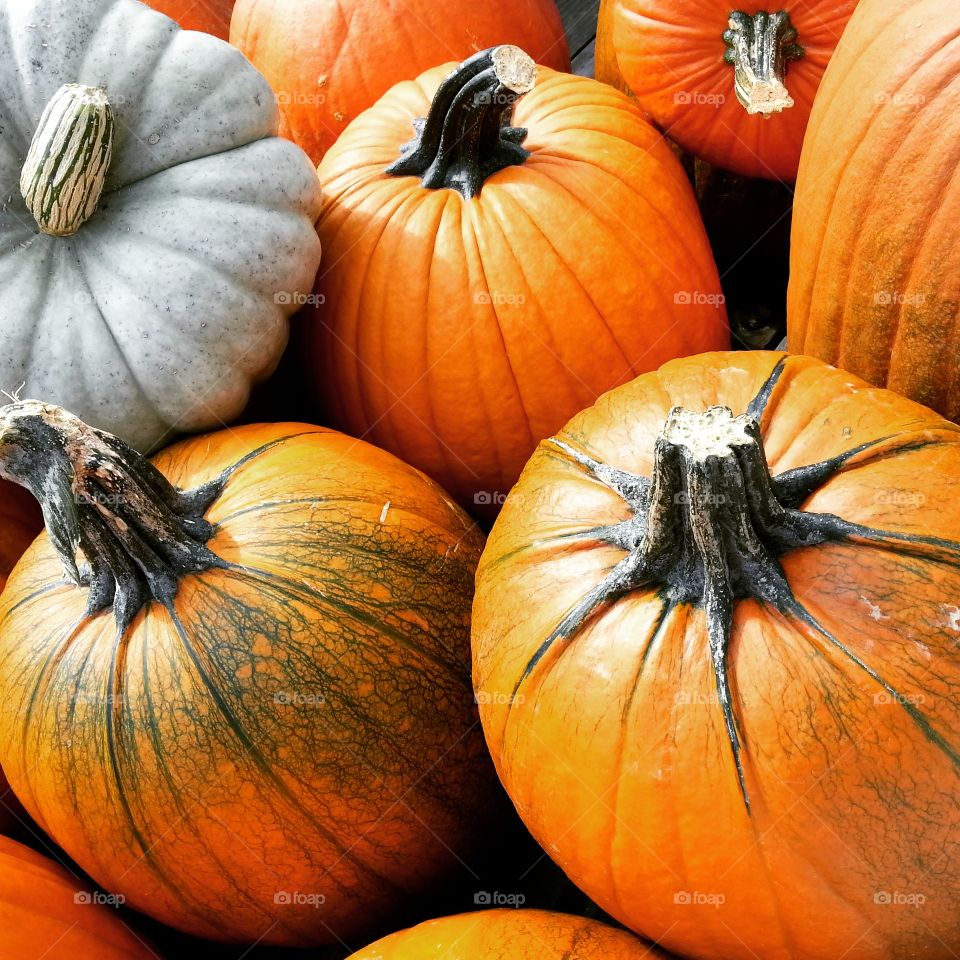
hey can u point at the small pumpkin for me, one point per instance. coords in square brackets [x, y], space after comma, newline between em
[150, 263]
[875, 257]
[715, 637]
[510, 935]
[234, 685]
[329, 60]
[46, 913]
[210, 16]
[731, 82]
[485, 286]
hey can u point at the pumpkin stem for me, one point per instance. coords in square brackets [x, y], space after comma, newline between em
[467, 137]
[759, 47]
[136, 532]
[63, 176]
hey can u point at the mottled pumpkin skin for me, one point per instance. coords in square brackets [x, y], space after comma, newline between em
[290, 750]
[40, 915]
[210, 16]
[875, 257]
[510, 935]
[670, 54]
[614, 749]
[328, 60]
[458, 333]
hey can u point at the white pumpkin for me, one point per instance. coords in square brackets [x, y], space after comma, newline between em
[158, 312]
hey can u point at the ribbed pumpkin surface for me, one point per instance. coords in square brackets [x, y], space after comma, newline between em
[45, 914]
[289, 750]
[875, 257]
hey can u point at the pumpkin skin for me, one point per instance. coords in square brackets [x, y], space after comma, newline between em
[671, 55]
[44, 912]
[616, 706]
[210, 16]
[329, 60]
[304, 755]
[605, 66]
[505, 317]
[874, 265]
[510, 935]
[162, 310]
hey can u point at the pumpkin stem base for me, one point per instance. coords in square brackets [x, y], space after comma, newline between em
[467, 137]
[759, 47]
[137, 534]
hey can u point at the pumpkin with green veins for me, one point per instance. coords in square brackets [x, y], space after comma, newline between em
[510, 935]
[234, 685]
[47, 913]
[718, 617]
[485, 287]
[151, 263]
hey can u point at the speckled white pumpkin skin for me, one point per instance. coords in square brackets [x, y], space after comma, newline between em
[163, 310]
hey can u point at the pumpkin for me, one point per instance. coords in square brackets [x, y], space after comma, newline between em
[875, 265]
[153, 259]
[715, 651]
[328, 60]
[606, 69]
[45, 912]
[210, 16]
[510, 935]
[731, 83]
[484, 288]
[248, 708]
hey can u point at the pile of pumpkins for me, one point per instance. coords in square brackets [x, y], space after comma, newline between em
[697, 610]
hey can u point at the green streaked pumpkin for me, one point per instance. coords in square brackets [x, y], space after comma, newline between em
[248, 707]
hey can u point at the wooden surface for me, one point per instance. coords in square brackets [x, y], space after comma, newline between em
[580, 20]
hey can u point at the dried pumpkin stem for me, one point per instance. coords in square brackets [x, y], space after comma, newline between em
[759, 47]
[66, 167]
[105, 504]
[466, 137]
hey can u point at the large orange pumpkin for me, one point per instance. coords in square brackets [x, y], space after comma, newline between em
[210, 16]
[731, 82]
[875, 252]
[46, 914]
[479, 291]
[250, 710]
[510, 935]
[717, 659]
[328, 60]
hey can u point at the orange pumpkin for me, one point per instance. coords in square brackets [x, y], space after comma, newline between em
[481, 289]
[731, 83]
[875, 258]
[605, 66]
[716, 651]
[249, 711]
[328, 60]
[210, 16]
[46, 914]
[510, 935]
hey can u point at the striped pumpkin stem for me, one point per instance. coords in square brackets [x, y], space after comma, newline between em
[106, 505]
[64, 173]
[759, 47]
[467, 137]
